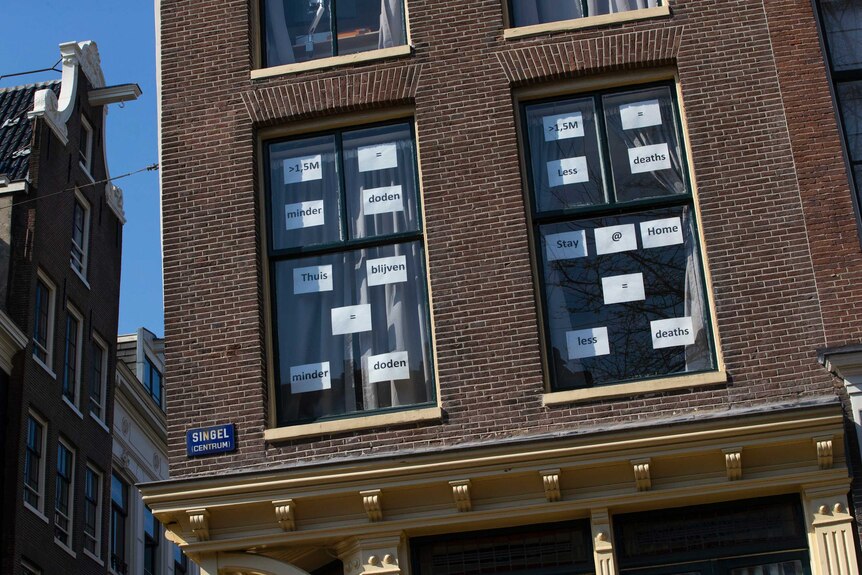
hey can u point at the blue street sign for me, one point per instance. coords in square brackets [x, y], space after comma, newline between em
[206, 440]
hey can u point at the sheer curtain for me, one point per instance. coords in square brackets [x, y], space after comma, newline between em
[527, 12]
[391, 24]
[697, 355]
[613, 6]
[279, 47]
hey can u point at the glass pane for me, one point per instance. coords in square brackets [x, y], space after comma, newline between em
[352, 332]
[842, 21]
[296, 30]
[380, 176]
[564, 154]
[624, 298]
[782, 568]
[850, 102]
[644, 144]
[364, 25]
[527, 12]
[304, 193]
[596, 7]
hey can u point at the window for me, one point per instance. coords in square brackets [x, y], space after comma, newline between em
[72, 355]
[80, 234]
[27, 568]
[43, 324]
[529, 12]
[153, 381]
[151, 543]
[119, 514]
[841, 21]
[345, 246]
[302, 30]
[98, 378]
[34, 463]
[181, 562]
[616, 239]
[64, 494]
[85, 146]
[92, 511]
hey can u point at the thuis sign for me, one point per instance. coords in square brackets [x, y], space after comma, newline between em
[206, 440]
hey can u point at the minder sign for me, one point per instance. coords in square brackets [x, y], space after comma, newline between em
[206, 440]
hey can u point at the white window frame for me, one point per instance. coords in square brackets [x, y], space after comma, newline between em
[100, 496]
[71, 516]
[30, 567]
[85, 156]
[80, 254]
[70, 309]
[48, 349]
[40, 492]
[103, 384]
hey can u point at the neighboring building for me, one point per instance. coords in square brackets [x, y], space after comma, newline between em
[516, 286]
[137, 544]
[61, 224]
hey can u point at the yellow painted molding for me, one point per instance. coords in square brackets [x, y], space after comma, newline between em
[635, 388]
[824, 451]
[325, 63]
[461, 494]
[643, 481]
[372, 502]
[733, 463]
[354, 423]
[551, 483]
[285, 513]
[587, 22]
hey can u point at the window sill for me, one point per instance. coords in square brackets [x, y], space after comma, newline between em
[353, 424]
[45, 367]
[636, 388]
[94, 558]
[80, 275]
[38, 513]
[72, 407]
[65, 547]
[100, 422]
[588, 22]
[331, 62]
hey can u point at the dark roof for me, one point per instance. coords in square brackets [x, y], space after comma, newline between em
[16, 129]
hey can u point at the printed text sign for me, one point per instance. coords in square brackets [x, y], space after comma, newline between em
[563, 126]
[303, 215]
[351, 319]
[383, 271]
[649, 158]
[623, 288]
[312, 279]
[566, 246]
[382, 200]
[388, 367]
[379, 157]
[659, 233]
[304, 169]
[615, 239]
[588, 342]
[640, 114]
[672, 332]
[310, 377]
[567, 171]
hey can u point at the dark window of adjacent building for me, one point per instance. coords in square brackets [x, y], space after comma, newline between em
[302, 30]
[28, 568]
[63, 494]
[735, 538]
[85, 146]
[554, 548]
[72, 356]
[119, 514]
[181, 562]
[841, 21]
[98, 379]
[151, 543]
[43, 322]
[34, 470]
[529, 12]
[80, 235]
[153, 381]
[619, 260]
[92, 510]
[350, 305]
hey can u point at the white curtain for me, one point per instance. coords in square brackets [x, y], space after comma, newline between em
[697, 355]
[279, 47]
[527, 12]
[391, 24]
[613, 6]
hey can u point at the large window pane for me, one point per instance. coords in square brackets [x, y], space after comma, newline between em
[842, 21]
[528, 12]
[850, 102]
[352, 332]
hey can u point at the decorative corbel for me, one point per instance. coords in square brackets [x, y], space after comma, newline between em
[371, 500]
[199, 520]
[824, 451]
[733, 462]
[551, 483]
[461, 494]
[285, 510]
[642, 476]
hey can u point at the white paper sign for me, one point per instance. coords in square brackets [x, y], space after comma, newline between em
[312, 279]
[640, 114]
[588, 342]
[671, 332]
[303, 215]
[379, 157]
[649, 158]
[567, 171]
[563, 126]
[382, 200]
[658, 233]
[302, 169]
[386, 270]
[614, 239]
[566, 246]
[620, 289]
[388, 367]
[351, 319]
[310, 377]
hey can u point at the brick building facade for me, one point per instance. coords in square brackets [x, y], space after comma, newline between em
[542, 363]
[62, 223]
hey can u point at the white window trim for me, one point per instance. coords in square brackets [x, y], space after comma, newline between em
[40, 509]
[27, 565]
[84, 249]
[52, 318]
[85, 157]
[79, 355]
[586, 22]
[99, 510]
[71, 517]
[103, 384]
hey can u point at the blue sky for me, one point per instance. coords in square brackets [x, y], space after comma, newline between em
[125, 34]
